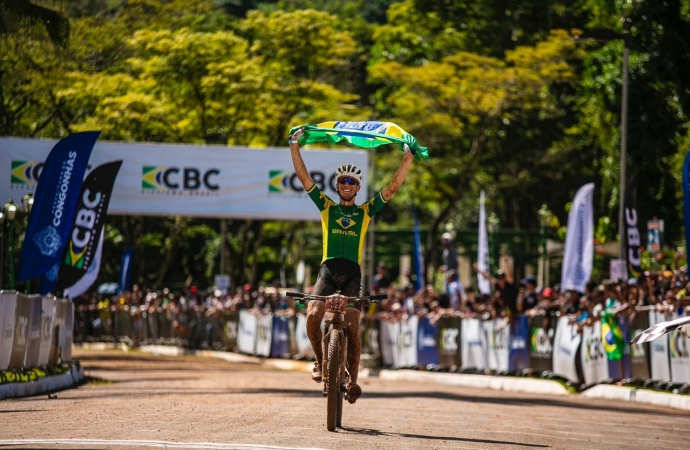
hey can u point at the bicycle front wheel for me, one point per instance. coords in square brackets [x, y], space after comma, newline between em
[333, 380]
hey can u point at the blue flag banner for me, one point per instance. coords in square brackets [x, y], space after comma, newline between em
[125, 270]
[686, 202]
[55, 203]
[418, 261]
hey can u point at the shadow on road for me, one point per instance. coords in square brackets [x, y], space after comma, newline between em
[372, 432]
[504, 400]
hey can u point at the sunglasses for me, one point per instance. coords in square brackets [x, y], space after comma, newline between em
[348, 180]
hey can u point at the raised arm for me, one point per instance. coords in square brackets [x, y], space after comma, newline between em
[298, 162]
[399, 176]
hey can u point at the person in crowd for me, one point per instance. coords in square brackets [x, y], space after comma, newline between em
[381, 280]
[449, 256]
[456, 293]
[502, 283]
[344, 225]
[527, 297]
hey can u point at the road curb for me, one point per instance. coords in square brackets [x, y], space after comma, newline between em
[630, 394]
[43, 385]
[528, 385]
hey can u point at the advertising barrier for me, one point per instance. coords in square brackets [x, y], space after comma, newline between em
[661, 369]
[33, 346]
[565, 348]
[595, 366]
[22, 318]
[542, 331]
[47, 329]
[280, 343]
[519, 352]
[449, 331]
[474, 344]
[230, 327]
[639, 353]
[8, 304]
[680, 359]
[427, 343]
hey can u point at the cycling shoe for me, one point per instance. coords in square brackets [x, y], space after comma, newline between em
[353, 392]
[316, 372]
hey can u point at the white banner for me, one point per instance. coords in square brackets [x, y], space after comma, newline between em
[389, 342]
[406, 354]
[565, 347]
[678, 345]
[198, 181]
[8, 303]
[264, 333]
[246, 339]
[303, 345]
[473, 344]
[483, 249]
[34, 344]
[498, 350]
[579, 242]
[659, 349]
[595, 366]
[47, 330]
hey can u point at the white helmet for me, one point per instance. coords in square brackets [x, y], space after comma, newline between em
[348, 170]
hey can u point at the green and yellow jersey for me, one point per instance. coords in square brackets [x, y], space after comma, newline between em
[344, 227]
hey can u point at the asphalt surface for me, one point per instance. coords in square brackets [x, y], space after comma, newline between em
[138, 400]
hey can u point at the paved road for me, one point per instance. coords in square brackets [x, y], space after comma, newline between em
[195, 402]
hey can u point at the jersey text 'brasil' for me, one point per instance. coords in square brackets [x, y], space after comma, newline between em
[344, 227]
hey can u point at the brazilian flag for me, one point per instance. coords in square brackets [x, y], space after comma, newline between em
[361, 134]
[612, 337]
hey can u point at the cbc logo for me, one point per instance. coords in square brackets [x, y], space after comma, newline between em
[179, 178]
[286, 182]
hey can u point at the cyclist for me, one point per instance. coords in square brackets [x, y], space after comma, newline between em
[344, 225]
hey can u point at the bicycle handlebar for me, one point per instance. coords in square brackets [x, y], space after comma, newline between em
[363, 298]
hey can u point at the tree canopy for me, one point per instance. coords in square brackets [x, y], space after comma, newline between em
[511, 99]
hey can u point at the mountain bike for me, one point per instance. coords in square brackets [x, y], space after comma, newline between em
[335, 373]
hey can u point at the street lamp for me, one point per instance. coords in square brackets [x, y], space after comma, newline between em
[10, 212]
[544, 219]
[28, 202]
[605, 35]
[493, 224]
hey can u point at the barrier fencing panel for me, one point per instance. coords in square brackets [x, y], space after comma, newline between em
[449, 331]
[678, 344]
[280, 337]
[427, 343]
[22, 317]
[230, 327]
[519, 352]
[473, 344]
[33, 346]
[595, 367]
[8, 305]
[371, 335]
[639, 353]
[565, 350]
[542, 331]
[47, 329]
[661, 369]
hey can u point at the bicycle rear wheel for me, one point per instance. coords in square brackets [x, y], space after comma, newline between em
[333, 380]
